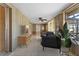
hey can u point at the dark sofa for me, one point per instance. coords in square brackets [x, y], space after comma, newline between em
[49, 39]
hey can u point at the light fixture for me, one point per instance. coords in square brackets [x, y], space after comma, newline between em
[42, 19]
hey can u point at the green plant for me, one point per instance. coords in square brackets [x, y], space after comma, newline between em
[67, 42]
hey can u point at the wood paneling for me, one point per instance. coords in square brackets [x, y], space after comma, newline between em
[75, 49]
[34, 29]
[59, 21]
[72, 8]
[2, 27]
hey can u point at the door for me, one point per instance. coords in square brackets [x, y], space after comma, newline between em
[8, 29]
[2, 27]
[5, 28]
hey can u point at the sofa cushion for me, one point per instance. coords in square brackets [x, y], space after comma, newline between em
[49, 33]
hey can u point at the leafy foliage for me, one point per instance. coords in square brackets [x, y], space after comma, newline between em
[66, 36]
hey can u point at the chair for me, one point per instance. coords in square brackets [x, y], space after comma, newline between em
[51, 41]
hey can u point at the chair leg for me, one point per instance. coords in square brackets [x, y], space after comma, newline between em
[43, 48]
[59, 51]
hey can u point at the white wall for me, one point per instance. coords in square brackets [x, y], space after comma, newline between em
[15, 29]
[38, 28]
[18, 19]
[51, 25]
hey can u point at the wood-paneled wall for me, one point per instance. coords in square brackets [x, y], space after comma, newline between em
[59, 21]
[2, 27]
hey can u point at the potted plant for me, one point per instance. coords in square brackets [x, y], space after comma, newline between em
[67, 41]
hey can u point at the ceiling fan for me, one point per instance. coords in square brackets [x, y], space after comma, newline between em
[41, 19]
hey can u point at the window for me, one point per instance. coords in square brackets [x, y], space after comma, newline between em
[73, 24]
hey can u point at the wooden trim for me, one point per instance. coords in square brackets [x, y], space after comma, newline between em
[10, 29]
[4, 5]
[2, 28]
[71, 8]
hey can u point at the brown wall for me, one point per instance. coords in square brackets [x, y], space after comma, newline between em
[2, 27]
[33, 28]
[59, 21]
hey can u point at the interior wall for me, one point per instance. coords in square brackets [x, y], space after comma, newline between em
[2, 28]
[59, 21]
[38, 28]
[15, 28]
[18, 19]
[44, 27]
[51, 25]
[23, 21]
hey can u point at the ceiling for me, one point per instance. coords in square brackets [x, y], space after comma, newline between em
[45, 10]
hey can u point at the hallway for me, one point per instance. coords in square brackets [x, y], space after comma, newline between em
[34, 48]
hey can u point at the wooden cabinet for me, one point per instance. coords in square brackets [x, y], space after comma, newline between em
[23, 40]
[75, 49]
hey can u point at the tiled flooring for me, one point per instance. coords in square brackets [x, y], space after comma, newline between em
[34, 48]
[4, 54]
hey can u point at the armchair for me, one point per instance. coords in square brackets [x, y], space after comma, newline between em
[51, 41]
